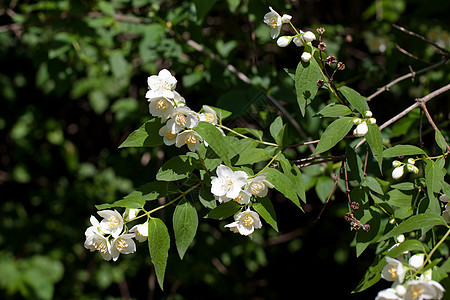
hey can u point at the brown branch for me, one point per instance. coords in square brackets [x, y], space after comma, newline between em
[436, 46]
[331, 193]
[406, 76]
[407, 53]
[430, 119]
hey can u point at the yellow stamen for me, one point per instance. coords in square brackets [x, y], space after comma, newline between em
[248, 221]
[100, 247]
[256, 188]
[209, 117]
[180, 119]
[170, 135]
[113, 222]
[121, 245]
[273, 22]
[238, 198]
[161, 105]
[190, 139]
[393, 272]
[417, 292]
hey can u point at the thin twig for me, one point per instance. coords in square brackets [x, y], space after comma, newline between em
[430, 120]
[331, 193]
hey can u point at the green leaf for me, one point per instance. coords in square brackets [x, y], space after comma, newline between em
[375, 141]
[277, 130]
[440, 140]
[373, 185]
[306, 76]
[414, 223]
[176, 168]
[295, 175]
[128, 203]
[215, 139]
[334, 110]
[335, 132]
[119, 65]
[221, 113]
[206, 198]
[283, 184]
[401, 150]
[252, 155]
[223, 211]
[408, 245]
[146, 136]
[203, 7]
[434, 175]
[324, 187]
[372, 275]
[356, 100]
[265, 209]
[255, 132]
[158, 245]
[185, 223]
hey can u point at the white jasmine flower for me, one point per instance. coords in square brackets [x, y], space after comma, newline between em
[209, 115]
[397, 172]
[309, 36]
[273, 19]
[243, 198]
[361, 130]
[444, 198]
[140, 231]
[283, 41]
[393, 270]
[97, 242]
[169, 138]
[190, 138]
[258, 185]
[416, 261]
[122, 244]
[400, 290]
[161, 107]
[306, 56]
[438, 288]
[427, 275]
[419, 289]
[227, 183]
[112, 222]
[387, 294]
[245, 222]
[286, 18]
[161, 85]
[178, 99]
[182, 117]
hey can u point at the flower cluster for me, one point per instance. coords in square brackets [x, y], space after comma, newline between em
[399, 167]
[170, 106]
[362, 124]
[109, 237]
[416, 289]
[237, 186]
[275, 21]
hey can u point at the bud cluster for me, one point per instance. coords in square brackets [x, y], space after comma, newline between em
[362, 124]
[399, 168]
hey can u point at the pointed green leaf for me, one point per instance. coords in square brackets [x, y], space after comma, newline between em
[334, 110]
[128, 203]
[277, 130]
[401, 150]
[440, 140]
[306, 76]
[334, 133]
[146, 136]
[375, 141]
[158, 245]
[414, 223]
[356, 100]
[176, 168]
[252, 155]
[153, 190]
[224, 210]
[283, 184]
[185, 223]
[215, 139]
[265, 209]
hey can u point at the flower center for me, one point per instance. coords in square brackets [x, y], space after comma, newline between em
[161, 105]
[228, 182]
[101, 247]
[416, 292]
[170, 135]
[256, 188]
[248, 221]
[209, 117]
[121, 245]
[190, 139]
[238, 198]
[180, 119]
[273, 22]
[393, 272]
[113, 222]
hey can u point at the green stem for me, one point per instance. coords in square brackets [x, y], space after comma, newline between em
[268, 165]
[246, 137]
[433, 250]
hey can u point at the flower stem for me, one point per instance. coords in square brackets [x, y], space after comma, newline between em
[433, 250]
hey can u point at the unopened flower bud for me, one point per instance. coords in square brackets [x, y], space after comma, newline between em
[286, 18]
[397, 172]
[283, 41]
[306, 56]
[411, 161]
[309, 36]
[396, 163]
[444, 198]
[298, 41]
[361, 130]
[416, 261]
[368, 114]
[372, 121]
[357, 121]
[400, 238]
[400, 290]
